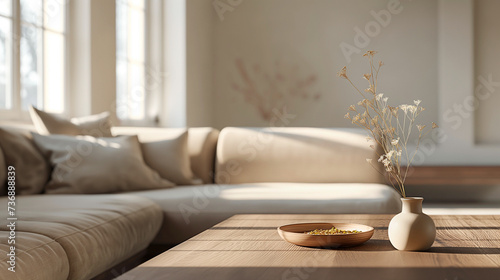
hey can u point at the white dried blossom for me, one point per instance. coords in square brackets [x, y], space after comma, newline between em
[395, 141]
[385, 99]
[389, 154]
[381, 158]
[386, 162]
[417, 102]
[379, 96]
[404, 107]
[412, 109]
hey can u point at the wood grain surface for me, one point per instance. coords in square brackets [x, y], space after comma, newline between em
[249, 247]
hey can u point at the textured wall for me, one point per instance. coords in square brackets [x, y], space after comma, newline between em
[275, 53]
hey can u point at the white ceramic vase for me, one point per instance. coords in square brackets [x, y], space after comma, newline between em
[412, 230]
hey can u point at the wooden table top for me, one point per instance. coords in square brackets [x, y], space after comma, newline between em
[249, 247]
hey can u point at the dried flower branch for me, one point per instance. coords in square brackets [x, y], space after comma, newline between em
[268, 90]
[390, 127]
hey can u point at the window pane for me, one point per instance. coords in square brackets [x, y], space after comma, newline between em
[54, 72]
[30, 70]
[130, 64]
[6, 7]
[121, 89]
[5, 63]
[136, 35]
[139, 4]
[121, 29]
[31, 11]
[54, 15]
[136, 103]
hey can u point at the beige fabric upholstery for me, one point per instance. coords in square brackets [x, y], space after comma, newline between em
[190, 210]
[95, 231]
[89, 165]
[313, 155]
[3, 174]
[32, 171]
[95, 125]
[201, 145]
[20, 127]
[37, 257]
[170, 157]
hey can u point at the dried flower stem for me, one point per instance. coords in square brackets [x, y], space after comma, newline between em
[385, 126]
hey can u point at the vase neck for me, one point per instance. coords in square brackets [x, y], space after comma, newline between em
[412, 204]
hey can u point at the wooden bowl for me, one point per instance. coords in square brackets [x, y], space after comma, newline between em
[295, 234]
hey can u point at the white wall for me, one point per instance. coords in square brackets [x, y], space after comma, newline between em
[188, 54]
[92, 58]
[299, 39]
[487, 62]
[199, 62]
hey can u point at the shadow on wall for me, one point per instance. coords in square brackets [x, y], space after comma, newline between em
[270, 90]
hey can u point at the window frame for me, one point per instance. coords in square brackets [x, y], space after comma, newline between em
[146, 120]
[16, 112]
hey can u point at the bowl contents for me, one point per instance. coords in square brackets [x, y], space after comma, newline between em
[332, 231]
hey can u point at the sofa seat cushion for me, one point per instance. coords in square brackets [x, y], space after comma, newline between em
[37, 257]
[95, 231]
[190, 210]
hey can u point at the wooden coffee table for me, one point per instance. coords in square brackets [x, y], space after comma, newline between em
[249, 247]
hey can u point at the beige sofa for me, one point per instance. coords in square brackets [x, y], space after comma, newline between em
[244, 170]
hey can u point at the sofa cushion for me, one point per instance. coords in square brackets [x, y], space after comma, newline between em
[32, 171]
[190, 210]
[169, 156]
[297, 154]
[201, 145]
[37, 257]
[85, 164]
[96, 125]
[95, 231]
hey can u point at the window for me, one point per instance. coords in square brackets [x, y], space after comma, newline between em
[5, 55]
[130, 59]
[32, 54]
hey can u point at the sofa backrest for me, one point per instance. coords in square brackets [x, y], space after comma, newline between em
[307, 155]
[202, 142]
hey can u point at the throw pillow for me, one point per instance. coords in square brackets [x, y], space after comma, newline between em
[96, 125]
[85, 164]
[170, 158]
[32, 171]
